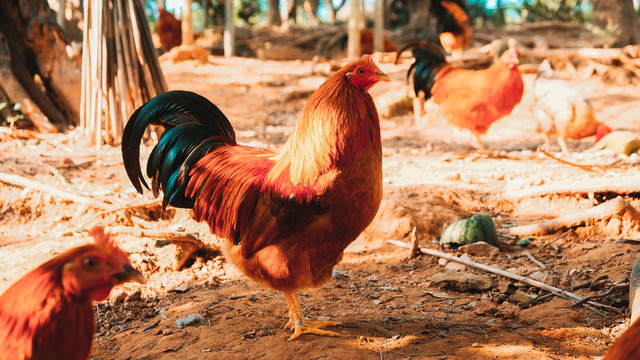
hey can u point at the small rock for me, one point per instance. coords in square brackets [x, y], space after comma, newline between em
[373, 295]
[506, 287]
[523, 297]
[507, 310]
[134, 296]
[373, 277]
[166, 332]
[192, 319]
[443, 261]
[455, 266]
[485, 308]
[180, 288]
[538, 275]
[337, 274]
[462, 281]
[480, 248]
[117, 297]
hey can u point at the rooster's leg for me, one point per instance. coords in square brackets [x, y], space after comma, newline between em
[479, 142]
[563, 145]
[298, 322]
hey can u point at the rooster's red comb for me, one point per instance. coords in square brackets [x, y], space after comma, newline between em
[103, 239]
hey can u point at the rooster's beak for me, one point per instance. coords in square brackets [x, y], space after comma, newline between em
[383, 77]
[130, 274]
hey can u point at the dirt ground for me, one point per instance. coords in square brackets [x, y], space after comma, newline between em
[388, 306]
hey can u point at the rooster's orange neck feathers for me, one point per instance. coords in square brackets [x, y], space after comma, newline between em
[332, 130]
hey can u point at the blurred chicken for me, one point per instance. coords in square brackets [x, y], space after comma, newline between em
[454, 25]
[47, 314]
[169, 30]
[469, 99]
[627, 346]
[366, 42]
[561, 110]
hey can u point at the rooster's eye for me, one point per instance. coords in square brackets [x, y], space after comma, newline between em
[360, 71]
[91, 263]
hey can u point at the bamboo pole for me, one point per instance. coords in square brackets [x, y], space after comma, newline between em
[353, 45]
[120, 67]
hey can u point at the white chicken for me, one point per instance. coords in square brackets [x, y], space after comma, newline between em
[561, 110]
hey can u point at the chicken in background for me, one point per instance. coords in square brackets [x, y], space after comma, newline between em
[286, 215]
[48, 313]
[454, 26]
[366, 42]
[561, 110]
[468, 99]
[169, 30]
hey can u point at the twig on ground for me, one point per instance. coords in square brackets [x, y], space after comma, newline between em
[599, 295]
[621, 185]
[554, 240]
[604, 210]
[19, 181]
[384, 331]
[559, 292]
[581, 166]
[534, 260]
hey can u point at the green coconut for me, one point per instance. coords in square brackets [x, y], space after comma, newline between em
[468, 231]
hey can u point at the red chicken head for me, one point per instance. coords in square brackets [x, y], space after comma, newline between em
[601, 131]
[98, 268]
[364, 73]
[510, 57]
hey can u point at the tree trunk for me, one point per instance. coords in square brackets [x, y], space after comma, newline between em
[273, 14]
[620, 16]
[36, 49]
[335, 9]
[187, 24]
[229, 29]
[292, 10]
[354, 48]
[419, 12]
[311, 7]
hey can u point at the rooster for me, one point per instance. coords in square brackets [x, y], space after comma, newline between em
[563, 111]
[169, 30]
[47, 314]
[286, 215]
[469, 99]
[454, 25]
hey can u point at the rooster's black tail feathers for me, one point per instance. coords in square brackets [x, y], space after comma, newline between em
[429, 59]
[189, 120]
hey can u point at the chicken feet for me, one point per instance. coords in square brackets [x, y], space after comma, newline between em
[299, 324]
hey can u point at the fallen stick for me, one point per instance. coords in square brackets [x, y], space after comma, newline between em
[599, 295]
[623, 185]
[534, 260]
[606, 209]
[580, 166]
[552, 289]
[22, 182]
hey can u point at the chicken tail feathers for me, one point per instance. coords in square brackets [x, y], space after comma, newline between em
[429, 59]
[193, 127]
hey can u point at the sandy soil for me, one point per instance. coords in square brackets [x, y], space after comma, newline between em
[387, 305]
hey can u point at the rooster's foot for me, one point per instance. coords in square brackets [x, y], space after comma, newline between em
[310, 329]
